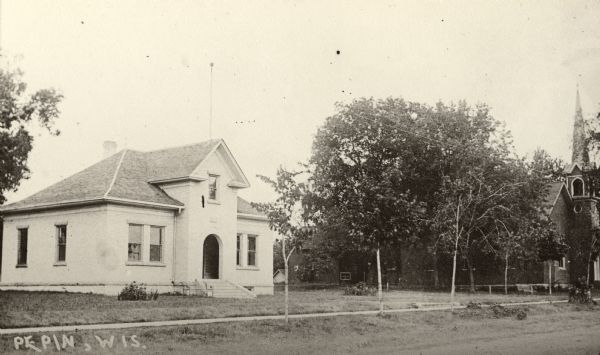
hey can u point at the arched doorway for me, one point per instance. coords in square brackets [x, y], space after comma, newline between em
[210, 258]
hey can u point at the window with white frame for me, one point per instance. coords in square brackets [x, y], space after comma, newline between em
[212, 187]
[134, 246]
[597, 269]
[156, 243]
[61, 243]
[238, 252]
[22, 235]
[251, 250]
[562, 263]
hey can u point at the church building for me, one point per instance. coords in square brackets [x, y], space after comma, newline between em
[575, 208]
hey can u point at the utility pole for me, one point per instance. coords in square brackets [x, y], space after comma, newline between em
[210, 103]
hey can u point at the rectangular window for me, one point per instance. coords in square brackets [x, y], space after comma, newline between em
[156, 243]
[134, 248]
[61, 242]
[251, 250]
[562, 263]
[22, 246]
[212, 187]
[238, 253]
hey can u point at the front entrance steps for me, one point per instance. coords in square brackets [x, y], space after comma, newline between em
[215, 288]
[226, 289]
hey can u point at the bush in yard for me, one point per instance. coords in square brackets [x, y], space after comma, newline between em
[500, 311]
[137, 292]
[581, 292]
[360, 289]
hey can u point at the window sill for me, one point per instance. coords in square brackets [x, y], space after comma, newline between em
[213, 202]
[251, 268]
[60, 264]
[152, 264]
[21, 265]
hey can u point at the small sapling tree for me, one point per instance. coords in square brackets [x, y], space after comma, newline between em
[286, 216]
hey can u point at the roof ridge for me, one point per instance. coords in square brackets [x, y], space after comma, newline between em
[114, 179]
[184, 146]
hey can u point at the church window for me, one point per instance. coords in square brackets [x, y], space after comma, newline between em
[578, 208]
[577, 187]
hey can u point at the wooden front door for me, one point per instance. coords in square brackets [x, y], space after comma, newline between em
[210, 258]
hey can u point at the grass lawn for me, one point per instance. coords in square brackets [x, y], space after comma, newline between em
[548, 329]
[26, 309]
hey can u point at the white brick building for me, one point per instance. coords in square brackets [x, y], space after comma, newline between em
[164, 218]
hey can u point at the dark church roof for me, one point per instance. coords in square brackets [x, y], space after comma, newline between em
[552, 194]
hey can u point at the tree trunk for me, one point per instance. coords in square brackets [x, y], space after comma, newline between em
[453, 279]
[453, 287]
[436, 276]
[285, 260]
[587, 282]
[506, 273]
[550, 277]
[471, 276]
[379, 288]
[587, 279]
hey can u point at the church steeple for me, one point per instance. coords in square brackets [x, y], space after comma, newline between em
[580, 151]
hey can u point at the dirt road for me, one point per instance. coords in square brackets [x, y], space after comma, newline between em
[573, 341]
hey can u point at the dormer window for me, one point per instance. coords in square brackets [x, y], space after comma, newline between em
[212, 187]
[577, 187]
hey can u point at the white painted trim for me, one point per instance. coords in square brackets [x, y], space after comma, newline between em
[75, 203]
[234, 164]
[178, 179]
[564, 262]
[143, 203]
[234, 184]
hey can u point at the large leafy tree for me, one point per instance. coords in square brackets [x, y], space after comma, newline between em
[361, 175]
[18, 109]
[473, 157]
[524, 231]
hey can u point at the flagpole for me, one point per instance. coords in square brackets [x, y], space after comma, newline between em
[210, 112]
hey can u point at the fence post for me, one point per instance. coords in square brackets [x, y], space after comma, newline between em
[490, 289]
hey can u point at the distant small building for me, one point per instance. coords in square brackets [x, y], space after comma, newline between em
[279, 276]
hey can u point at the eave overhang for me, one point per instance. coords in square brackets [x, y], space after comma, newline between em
[82, 203]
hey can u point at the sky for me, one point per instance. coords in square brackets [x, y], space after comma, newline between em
[137, 72]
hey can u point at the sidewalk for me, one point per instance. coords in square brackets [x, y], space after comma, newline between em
[73, 328]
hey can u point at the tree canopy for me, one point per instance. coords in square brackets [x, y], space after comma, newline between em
[17, 110]
[392, 172]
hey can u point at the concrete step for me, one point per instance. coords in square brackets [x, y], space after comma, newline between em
[226, 289]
